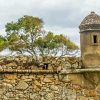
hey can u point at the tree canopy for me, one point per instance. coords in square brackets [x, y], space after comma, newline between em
[27, 36]
[3, 43]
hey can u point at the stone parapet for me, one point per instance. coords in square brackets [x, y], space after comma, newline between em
[71, 84]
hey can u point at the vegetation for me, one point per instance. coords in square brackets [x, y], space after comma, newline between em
[27, 36]
[3, 43]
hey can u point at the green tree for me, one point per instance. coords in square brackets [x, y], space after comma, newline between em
[3, 43]
[27, 36]
[54, 45]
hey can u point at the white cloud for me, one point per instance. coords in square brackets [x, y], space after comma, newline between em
[60, 16]
[2, 32]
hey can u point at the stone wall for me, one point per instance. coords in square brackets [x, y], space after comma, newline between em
[25, 62]
[48, 86]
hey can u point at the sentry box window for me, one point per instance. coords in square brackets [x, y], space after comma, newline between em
[95, 41]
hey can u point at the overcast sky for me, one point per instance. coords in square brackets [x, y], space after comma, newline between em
[59, 16]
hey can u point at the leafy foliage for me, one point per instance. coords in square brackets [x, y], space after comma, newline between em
[53, 44]
[30, 24]
[27, 36]
[12, 27]
[3, 43]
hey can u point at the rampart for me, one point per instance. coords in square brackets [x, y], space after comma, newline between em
[65, 83]
[49, 85]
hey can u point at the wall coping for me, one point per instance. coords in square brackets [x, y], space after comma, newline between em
[73, 71]
[23, 71]
[64, 71]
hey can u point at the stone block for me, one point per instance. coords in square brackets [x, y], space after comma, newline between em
[11, 76]
[13, 64]
[82, 98]
[98, 90]
[89, 93]
[73, 78]
[22, 85]
[36, 88]
[54, 88]
[35, 96]
[47, 80]
[49, 96]
[37, 83]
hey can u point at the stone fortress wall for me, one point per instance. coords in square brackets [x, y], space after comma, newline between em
[48, 85]
[64, 80]
[37, 84]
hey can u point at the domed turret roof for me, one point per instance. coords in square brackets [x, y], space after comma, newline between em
[90, 22]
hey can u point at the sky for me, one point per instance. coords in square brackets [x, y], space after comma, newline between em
[59, 16]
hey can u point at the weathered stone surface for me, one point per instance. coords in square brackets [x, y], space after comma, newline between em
[22, 85]
[7, 85]
[64, 78]
[11, 76]
[47, 80]
[71, 94]
[36, 88]
[2, 91]
[59, 68]
[42, 98]
[82, 98]
[37, 83]
[50, 96]
[9, 81]
[53, 87]
[27, 80]
[24, 77]
[47, 87]
[5, 98]
[11, 64]
[76, 87]
[89, 93]
[10, 95]
[98, 90]
[32, 96]
[35, 96]
[92, 98]
[75, 79]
